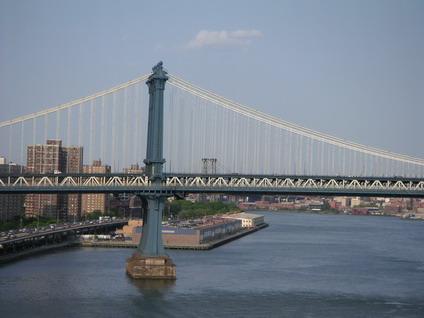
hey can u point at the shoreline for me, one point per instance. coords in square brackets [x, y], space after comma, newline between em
[318, 212]
[36, 250]
[110, 244]
[399, 216]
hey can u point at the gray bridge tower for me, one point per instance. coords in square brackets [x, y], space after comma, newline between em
[150, 261]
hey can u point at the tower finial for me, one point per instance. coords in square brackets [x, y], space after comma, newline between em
[158, 72]
[157, 66]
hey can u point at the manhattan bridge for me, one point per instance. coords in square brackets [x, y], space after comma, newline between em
[210, 145]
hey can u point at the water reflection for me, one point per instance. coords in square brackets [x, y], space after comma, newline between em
[149, 285]
[153, 300]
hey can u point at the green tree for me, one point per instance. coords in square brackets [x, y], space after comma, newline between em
[187, 209]
[94, 215]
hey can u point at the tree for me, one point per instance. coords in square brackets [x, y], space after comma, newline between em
[187, 209]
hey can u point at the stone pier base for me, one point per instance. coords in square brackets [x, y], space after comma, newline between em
[144, 267]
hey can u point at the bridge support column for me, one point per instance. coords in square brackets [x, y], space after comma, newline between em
[150, 261]
[151, 243]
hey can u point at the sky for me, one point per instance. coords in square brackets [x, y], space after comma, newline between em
[352, 69]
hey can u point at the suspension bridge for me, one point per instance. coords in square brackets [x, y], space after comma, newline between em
[256, 153]
[253, 152]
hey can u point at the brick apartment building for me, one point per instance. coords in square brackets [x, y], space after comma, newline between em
[95, 201]
[53, 158]
[11, 205]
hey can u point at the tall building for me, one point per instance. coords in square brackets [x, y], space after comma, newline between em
[11, 205]
[53, 158]
[95, 201]
[44, 158]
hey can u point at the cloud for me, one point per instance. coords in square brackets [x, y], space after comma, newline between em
[222, 39]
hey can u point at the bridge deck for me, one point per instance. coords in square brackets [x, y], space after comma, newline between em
[182, 184]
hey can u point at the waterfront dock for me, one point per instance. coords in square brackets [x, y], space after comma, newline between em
[202, 246]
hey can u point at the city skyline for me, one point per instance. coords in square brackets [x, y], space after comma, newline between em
[353, 70]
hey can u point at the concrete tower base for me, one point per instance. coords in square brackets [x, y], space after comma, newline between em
[144, 267]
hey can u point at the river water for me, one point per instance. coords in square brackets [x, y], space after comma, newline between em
[300, 266]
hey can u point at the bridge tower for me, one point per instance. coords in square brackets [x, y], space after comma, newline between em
[150, 261]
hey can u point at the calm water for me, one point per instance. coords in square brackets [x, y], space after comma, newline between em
[300, 266]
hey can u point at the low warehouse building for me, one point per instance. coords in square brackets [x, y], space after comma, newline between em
[247, 219]
[193, 233]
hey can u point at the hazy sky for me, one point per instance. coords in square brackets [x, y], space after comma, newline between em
[353, 69]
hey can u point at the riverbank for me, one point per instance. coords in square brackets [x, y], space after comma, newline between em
[36, 250]
[204, 246]
[123, 244]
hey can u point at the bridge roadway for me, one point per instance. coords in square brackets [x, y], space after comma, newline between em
[21, 243]
[236, 184]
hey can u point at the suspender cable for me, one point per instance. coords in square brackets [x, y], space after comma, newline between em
[170, 126]
[114, 130]
[10, 143]
[68, 133]
[322, 158]
[246, 149]
[103, 129]
[277, 159]
[299, 154]
[266, 151]
[215, 130]
[57, 124]
[224, 140]
[310, 156]
[22, 144]
[91, 132]
[206, 127]
[183, 136]
[34, 130]
[46, 127]
[192, 133]
[33, 142]
[137, 110]
[124, 128]
[81, 126]
[255, 147]
[288, 153]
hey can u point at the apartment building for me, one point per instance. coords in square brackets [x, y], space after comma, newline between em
[95, 201]
[52, 157]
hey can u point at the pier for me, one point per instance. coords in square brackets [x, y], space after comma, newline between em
[203, 246]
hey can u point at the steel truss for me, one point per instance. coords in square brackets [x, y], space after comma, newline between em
[231, 184]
